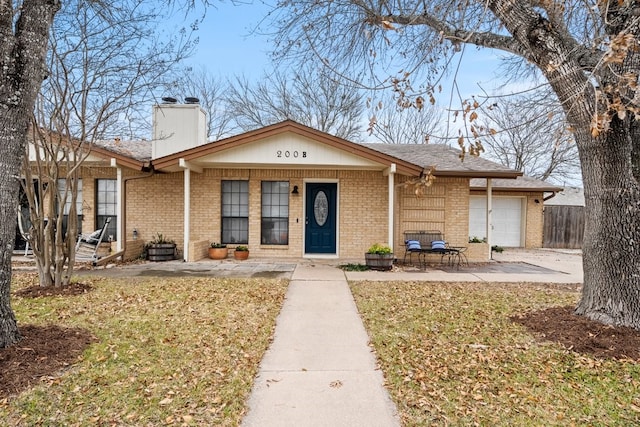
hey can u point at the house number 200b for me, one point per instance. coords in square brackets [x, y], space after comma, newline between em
[294, 154]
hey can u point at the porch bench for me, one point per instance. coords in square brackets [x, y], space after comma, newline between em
[428, 242]
[419, 242]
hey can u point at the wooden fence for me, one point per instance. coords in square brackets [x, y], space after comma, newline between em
[563, 227]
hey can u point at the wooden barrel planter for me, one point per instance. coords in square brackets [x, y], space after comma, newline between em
[380, 262]
[161, 252]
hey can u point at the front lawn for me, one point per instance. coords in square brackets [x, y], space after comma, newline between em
[177, 351]
[452, 355]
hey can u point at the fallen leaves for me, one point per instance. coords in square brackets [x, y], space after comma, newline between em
[170, 351]
[452, 356]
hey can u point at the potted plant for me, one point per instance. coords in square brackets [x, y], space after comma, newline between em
[218, 251]
[379, 257]
[241, 252]
[160, 248]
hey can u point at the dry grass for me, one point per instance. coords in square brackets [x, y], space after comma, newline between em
[169, 352]
[452, 356]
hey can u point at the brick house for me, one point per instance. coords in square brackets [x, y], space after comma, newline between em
[287, 190]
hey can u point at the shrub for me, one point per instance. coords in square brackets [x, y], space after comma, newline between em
[475, 239]
[354, 267]
[159, 239]
[379, 249]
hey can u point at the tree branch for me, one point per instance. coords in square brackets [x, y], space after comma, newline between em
[586, 58]
[457, 35]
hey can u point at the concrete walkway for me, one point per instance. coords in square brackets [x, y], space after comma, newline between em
[319, 370]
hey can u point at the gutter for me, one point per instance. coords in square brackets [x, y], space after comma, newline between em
[124, 203]
[124, 213]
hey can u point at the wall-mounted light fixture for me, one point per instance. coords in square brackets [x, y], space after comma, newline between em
[135, 234]
[537, 201]
[295, 190]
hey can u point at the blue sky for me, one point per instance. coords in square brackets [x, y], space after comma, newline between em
[229, 46]
[228, 43]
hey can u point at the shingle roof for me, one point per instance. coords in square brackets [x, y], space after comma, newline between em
[445, 159]
[523, 183]
[569, 196]
[138, 150]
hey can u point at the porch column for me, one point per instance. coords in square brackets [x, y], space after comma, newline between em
[119, 206]
[188, 167]
[391, 172]
[489, 214]
[187, 209]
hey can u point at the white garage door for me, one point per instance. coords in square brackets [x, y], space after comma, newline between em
[507, 220]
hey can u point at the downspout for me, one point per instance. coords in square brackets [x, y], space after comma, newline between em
[123, 214]
[124, 201]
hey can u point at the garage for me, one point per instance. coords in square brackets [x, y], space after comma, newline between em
[507, 220]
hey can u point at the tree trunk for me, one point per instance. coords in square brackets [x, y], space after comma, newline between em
[611, 248]
[9, 186]
[23, 44]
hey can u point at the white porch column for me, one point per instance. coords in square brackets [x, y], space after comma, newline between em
[119, 206]
[188, 168]
[391, 172]
[489, 214]
[187, 209]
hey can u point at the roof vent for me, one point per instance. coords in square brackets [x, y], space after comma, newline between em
[169, 100]
[191, 100]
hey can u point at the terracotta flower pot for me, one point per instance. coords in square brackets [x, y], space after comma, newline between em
[218, 253]
[241, 255]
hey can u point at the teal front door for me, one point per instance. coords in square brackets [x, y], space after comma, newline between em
[320, 221]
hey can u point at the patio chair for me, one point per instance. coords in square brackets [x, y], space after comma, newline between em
[88, 244]
[455, 254]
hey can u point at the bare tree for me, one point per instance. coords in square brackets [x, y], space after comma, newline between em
[307, 96]
[528, 133]
[210, 92]
[50, 159]
[395, 124]
[589, 54]
[105, 63]
[24, 30]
